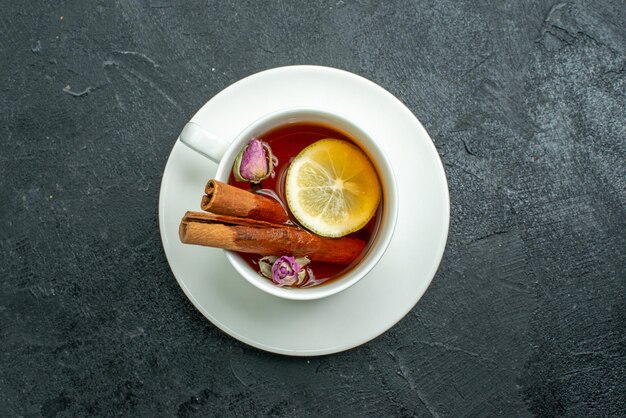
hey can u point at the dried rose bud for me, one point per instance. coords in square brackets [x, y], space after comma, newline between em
[255, 162]
[285, 270]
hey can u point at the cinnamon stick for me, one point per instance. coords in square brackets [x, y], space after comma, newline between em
[229, 200]
[265, 238]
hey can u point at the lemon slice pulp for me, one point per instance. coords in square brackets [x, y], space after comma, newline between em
[332, 188]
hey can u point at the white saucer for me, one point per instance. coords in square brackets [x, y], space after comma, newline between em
[379, 300]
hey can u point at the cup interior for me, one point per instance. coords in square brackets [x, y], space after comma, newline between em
[384, 230]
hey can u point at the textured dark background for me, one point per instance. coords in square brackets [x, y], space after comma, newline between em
[525, 102]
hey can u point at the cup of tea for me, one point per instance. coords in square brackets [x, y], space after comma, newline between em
[286, 133]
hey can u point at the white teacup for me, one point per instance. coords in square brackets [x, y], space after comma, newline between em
[224, 153]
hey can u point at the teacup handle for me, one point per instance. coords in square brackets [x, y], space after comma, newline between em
[206, 143]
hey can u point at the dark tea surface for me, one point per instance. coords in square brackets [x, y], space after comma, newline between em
[286, 143]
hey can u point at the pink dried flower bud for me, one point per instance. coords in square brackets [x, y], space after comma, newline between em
[255, 162]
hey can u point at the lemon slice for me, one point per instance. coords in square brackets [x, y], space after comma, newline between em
[332, 188]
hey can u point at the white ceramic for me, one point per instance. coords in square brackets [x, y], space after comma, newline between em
[381, 298]
[202, 140]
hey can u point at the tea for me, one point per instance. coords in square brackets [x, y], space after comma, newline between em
[286, 142]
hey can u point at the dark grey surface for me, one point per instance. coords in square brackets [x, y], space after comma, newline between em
[525, 102]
